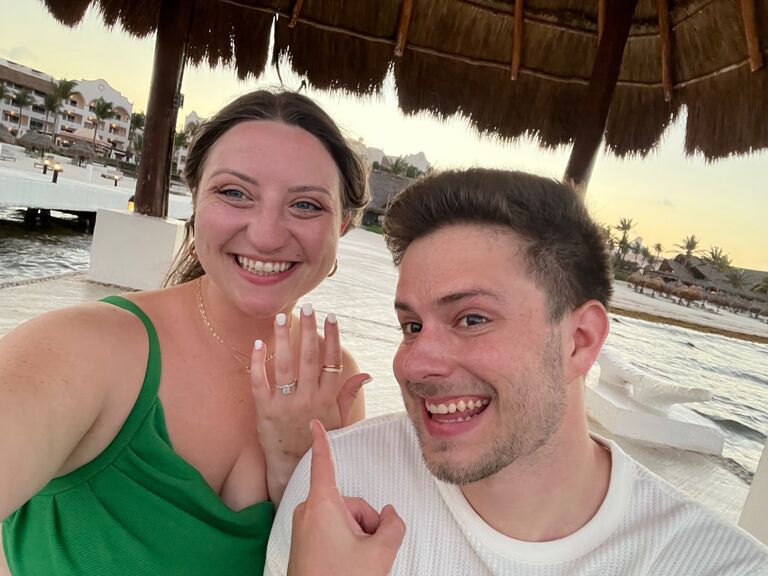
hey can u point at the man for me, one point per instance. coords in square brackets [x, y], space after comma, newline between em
[502, 295]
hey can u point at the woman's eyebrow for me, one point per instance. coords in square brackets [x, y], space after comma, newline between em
[240, 175]
[310, 188]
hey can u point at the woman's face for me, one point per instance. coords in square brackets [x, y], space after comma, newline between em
[268, 215]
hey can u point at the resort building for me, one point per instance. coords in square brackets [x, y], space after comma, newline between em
[76, 120]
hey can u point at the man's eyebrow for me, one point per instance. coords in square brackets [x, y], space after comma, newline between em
[240, 175]
[451, 298]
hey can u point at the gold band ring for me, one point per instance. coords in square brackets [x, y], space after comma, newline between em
[286, 389]
[331, 368]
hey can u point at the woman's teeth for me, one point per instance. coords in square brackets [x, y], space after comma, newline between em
[261, 268]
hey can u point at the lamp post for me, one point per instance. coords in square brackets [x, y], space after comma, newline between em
[46, 163]
[56, 169]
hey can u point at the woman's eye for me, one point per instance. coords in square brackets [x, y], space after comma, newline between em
[232, 193]
[307, 205]
[410, 327]
[472, 320]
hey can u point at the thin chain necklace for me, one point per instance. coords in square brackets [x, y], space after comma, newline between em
[236, 354]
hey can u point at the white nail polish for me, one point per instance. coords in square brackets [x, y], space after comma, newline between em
[367, 381]
[331, 318]
[306, 309]
[258, 344]
[280, 319]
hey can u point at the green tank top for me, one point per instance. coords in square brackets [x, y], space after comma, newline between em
[137, 508]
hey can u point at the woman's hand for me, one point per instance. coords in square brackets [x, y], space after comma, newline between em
[333, 535]
[316, 392]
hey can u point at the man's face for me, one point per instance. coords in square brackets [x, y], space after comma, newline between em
[480, 366]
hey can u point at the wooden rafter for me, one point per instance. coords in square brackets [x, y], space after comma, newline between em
[750, 31]
[402, 27]
[517, 40]
[666, 49]
[296, 13]
[600, 19]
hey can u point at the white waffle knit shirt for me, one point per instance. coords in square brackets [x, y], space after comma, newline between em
[644, 526]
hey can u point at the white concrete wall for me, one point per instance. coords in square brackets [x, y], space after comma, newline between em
[132, 250]
[754, 516]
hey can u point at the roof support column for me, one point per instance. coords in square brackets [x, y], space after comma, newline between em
[155, 166]
[597, 100]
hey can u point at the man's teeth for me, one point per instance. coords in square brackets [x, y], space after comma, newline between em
[459, 406]
[259, 267]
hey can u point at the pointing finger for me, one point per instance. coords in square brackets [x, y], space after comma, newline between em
[322, 476]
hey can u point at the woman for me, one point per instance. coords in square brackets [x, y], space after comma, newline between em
[129, 439]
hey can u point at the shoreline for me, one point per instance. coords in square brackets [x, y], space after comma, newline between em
[659, 319]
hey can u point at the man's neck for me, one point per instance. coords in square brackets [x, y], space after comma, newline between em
[549, 494]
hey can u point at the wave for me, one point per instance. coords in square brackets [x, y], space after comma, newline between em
[736, 427]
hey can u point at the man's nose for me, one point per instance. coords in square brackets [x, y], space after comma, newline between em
[428, 356]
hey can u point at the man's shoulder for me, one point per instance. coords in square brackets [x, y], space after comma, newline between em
[371, 431]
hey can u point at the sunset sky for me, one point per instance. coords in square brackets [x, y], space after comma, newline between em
[667, 194]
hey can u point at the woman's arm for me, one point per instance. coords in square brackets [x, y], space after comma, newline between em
[53, 389]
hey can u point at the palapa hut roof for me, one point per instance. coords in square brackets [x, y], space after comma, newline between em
[457, 56]
[384, 187]
[34, 139]
[6, 137]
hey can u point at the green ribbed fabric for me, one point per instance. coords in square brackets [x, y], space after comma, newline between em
[138, 508]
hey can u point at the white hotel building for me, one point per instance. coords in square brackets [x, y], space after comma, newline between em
[76, 121]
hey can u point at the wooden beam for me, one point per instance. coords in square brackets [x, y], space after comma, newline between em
[750, 31]
[402, 28]
[666, 49]
[296, 13]
[600, 20]
[597, 99]
[517, 40]
[154, 170]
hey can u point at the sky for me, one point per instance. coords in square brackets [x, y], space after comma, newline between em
[667, 195]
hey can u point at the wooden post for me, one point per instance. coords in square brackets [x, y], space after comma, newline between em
[597, 100]
[517, 40]
[600, 20]
[403, 26]
[750, 31]
[666, 49]
[153, 175]
[296, 13]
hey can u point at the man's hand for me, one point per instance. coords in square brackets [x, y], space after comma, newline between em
[333, 535]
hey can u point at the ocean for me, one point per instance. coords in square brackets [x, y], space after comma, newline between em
[735, 371]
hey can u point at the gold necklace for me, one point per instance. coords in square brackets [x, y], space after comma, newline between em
[236, 354]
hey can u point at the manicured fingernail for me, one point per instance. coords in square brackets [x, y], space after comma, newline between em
[258, 344]
[280, 319]
[367, 381]
[306, 309]
[331, 318]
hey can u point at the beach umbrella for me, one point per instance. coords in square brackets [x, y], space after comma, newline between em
[5, 136]
[636, 279]
[574, 72]
[34, 139]
[83, 150]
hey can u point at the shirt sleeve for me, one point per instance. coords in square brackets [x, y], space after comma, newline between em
[279, 546]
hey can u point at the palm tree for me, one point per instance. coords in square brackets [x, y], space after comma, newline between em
[762, 286]
[138, 119]
[719, 260]
[636, 248]
[625, 226]
[658, 248]
[51, 105]
[102, 110]
[62, 90]
[22, 99]
[737, 278]
[136, 143]
[690, 245]
[399, 166]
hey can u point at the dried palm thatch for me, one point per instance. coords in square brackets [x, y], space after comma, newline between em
[457, 56]
[34, 139]
[5, 136]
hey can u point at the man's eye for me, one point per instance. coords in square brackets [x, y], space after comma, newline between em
[232, 193]
[472, 320]
[410, 327]
[307, 205]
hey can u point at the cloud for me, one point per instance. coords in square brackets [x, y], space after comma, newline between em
[666, 202]
[20, 54]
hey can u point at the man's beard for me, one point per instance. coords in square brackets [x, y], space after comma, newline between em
[529, 411]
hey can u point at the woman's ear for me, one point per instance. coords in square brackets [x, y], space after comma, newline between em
[345, 220]
[588, 328]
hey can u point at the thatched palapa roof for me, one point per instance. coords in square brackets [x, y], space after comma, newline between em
[457, 56]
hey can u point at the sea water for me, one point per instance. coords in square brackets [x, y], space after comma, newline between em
[361, 295]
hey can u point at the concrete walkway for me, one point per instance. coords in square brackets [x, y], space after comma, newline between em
[361, 295]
